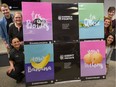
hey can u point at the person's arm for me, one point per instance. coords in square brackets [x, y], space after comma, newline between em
[0, 31]
[109, 55]
[11, 61]
[2, 36]
[11, 66]
[6, 44]
[22, 42]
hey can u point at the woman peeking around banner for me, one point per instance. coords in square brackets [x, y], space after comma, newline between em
[16, 61]
[110, 13]
[16, 28]
[107, 26]
[110, 42]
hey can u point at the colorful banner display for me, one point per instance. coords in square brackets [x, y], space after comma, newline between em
[53, 51]
[91, 20]
[37, 21]
[92, 59]
[39, 63]
[65, 22]
[67, 61]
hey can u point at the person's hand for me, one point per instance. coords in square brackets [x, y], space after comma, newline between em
[7, 46]
[10, 69]
[22, 43]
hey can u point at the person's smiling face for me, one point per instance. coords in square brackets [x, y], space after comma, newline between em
[107, 23]
[5, 11]
[110, 39]
[15, 43]
[18, 18]
[111, 14]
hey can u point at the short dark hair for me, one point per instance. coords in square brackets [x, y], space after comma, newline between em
[4, 5]
[14, 38]
[110, 9]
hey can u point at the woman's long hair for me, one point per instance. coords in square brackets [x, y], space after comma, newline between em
[109, 28]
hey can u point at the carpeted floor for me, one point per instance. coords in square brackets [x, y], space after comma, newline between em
[110, 81]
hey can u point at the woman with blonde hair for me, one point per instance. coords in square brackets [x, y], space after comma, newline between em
[16, 29]
[107, 26]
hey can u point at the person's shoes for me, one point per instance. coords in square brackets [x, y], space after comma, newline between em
[19, 80]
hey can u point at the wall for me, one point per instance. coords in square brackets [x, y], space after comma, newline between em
[107, 4]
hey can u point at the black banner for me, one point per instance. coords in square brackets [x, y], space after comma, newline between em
[65, 22]
[67, 61]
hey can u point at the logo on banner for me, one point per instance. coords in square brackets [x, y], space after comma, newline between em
[65, 18]
[90, 21]
[66, 56]
[93, 59]
[37, 22]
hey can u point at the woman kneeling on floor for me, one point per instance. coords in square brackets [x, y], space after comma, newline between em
[16, 61]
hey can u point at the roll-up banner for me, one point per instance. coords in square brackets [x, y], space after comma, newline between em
[65, 22]
[67, 61]
[92, 60]
[39, 64]
[37, 21]
[91, 21]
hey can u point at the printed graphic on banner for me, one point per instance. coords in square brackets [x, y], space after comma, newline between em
[93, 61]
[39, 62]
[67, 61]
[37, 21]
[91, 20]
[65, 22]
